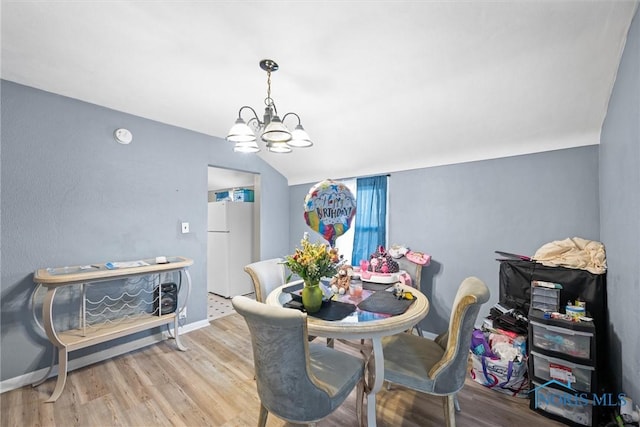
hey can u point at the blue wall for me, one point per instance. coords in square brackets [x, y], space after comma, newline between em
[71, 195]
[461, 214]
[620, 216]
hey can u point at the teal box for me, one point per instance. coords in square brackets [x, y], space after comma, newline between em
[243, 195]
[223, 196]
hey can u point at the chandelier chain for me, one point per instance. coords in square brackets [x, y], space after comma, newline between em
[269, 101]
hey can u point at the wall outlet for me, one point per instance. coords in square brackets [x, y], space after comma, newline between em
[183, 314]
[185, 227]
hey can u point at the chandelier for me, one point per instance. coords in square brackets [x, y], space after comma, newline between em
[277, 137]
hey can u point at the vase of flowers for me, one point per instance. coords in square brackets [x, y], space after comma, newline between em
[313, 261]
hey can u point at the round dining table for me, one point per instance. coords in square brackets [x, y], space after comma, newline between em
[363, 325]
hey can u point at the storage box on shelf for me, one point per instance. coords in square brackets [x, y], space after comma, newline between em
[224, 196]
[242, 195]
[235, 195]
[564, 338]
[581, 377]
[544, 298]
[562, 406]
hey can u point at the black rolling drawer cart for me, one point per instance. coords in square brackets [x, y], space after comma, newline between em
[560, 349]
[563, 353]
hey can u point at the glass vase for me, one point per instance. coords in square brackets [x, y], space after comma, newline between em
[312, 296]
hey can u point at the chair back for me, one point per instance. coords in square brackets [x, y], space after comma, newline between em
[450, 372]
[284, 380]
[414, 270]
[266, 276]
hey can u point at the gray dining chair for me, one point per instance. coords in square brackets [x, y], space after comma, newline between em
[415, 272]
[266, 275]
[438, 366]
[298, 381]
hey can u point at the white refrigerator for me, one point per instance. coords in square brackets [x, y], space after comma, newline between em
[229, 248]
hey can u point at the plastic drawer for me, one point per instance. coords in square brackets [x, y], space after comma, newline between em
[545, 299]
[549, 400]
[577, 344]
[543, 303]
[550, 368]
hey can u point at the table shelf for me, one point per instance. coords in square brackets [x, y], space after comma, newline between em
[75, 339]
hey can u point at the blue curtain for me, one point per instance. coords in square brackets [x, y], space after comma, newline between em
[371, 217]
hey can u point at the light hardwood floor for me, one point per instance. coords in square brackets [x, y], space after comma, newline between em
[212, 384]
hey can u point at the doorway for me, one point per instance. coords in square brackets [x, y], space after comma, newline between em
[224, 184]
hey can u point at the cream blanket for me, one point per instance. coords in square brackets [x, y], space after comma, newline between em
[574, 253]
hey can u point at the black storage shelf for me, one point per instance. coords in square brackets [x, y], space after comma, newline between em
[559, 344]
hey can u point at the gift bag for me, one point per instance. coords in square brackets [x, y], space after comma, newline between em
[504, 376]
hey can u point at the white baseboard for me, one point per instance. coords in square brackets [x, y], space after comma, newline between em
[429, 335]
[194, 326]
[34, 376]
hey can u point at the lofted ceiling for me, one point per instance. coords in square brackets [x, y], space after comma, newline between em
[380, 86]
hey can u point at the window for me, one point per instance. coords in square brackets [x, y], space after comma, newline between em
[370, 229]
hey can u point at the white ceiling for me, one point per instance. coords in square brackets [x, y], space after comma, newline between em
[380, 86]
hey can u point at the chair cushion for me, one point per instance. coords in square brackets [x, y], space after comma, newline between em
[408, 359]
[337, 371]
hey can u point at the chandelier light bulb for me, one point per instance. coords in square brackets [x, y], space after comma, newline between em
[300, 138]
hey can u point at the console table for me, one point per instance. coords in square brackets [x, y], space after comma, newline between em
[107, 311]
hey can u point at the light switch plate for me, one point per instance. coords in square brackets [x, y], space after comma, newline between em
[185, 227]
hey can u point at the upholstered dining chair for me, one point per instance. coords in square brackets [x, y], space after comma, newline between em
[438, 366]
[298, 381]
[266, 276]
[415, 272]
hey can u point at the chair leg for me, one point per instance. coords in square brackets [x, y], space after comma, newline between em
[417, 329]
[360, 402]
[262, 418]
[456, 403]
[330, 342]
[449, 410]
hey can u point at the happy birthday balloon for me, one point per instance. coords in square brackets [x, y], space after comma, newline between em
[329, 208]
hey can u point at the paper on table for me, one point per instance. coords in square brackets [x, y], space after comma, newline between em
[125, 264]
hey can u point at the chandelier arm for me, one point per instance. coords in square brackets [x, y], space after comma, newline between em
[255, 124]
[293, 114]
[255, 115]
